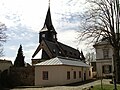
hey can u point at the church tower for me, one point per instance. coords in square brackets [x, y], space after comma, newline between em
[48, 31]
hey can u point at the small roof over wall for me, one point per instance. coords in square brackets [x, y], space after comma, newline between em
[5, 61]
[63, 61]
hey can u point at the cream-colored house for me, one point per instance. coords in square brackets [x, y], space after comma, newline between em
[104, 53]
[5, 64]
[61, 71]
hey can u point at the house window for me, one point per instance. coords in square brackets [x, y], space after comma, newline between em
[74, 74]
[79, 74]
[45, 75]
[105, 53]
[68, 75]
[106, 69]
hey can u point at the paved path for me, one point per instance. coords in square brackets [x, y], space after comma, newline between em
[75, 87]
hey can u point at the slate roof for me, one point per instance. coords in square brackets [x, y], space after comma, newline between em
[59, 49]
[48, 23]
[63, 61]
[68, 48]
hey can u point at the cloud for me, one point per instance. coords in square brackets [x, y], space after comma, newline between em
[8, 58]
[24, 19]
[12, 48]
[69, 38]
[28, 50]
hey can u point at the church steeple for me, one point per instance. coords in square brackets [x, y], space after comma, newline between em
[48, 21]
[48, 31]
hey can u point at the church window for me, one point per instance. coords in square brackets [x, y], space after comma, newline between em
[79, 74]
[43, 35]
[105, 53]
[74, 74]
[45, 75]
[68, 75]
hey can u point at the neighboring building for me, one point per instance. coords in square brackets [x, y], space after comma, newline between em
[50, 47]
[61, 71]
[5, 64]
[104, 53]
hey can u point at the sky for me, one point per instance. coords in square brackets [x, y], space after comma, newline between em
[25, 18]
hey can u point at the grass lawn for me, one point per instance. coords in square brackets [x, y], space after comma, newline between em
[105, 87]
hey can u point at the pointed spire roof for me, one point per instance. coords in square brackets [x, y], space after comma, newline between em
[48, 22]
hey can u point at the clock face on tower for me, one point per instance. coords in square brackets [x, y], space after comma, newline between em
[43, 35]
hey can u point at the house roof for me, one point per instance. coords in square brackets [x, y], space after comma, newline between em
[63, 61]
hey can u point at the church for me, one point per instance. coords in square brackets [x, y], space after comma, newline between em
[50, 46]
[59, 64]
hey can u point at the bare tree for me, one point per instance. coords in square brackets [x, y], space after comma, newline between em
[3, 37]
[90, 57]
[101, 20]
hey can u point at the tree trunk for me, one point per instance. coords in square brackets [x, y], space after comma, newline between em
[118, 67]
[116, 63]
[116, 74]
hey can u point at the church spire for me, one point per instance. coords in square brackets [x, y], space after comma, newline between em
[48, 32]
[48, 26]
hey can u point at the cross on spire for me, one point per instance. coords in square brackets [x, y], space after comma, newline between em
[49, 3]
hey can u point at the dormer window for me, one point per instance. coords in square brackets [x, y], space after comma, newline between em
[70, 53]
[59, 52]
[54, 50]
[75, 54]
